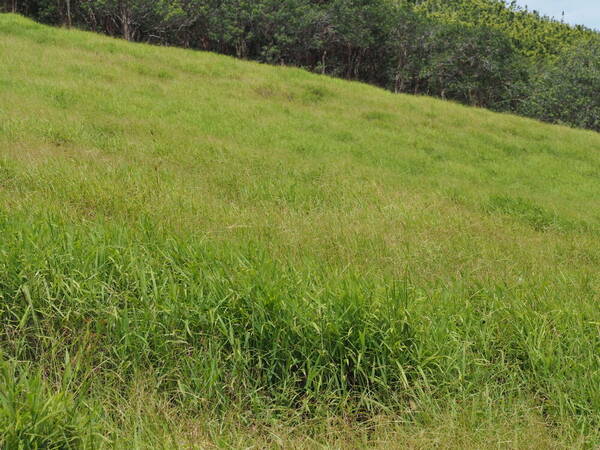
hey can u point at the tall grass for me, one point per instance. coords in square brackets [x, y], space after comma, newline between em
[201, 251]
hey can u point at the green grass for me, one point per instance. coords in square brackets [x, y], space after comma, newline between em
[201, 251]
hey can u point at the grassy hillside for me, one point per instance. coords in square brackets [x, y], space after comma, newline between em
[196, 251]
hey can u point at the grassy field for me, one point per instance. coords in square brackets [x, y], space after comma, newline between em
[197, 251]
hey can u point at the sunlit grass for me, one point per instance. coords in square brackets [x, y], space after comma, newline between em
[196, 250]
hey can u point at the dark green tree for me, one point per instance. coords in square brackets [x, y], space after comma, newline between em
[568, 90]
[474, 65]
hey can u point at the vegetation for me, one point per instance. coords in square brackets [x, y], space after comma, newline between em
[201, 251]
[569, 91]
[536, 36]
[479, 52]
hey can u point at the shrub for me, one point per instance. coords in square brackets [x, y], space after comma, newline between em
[568, 90]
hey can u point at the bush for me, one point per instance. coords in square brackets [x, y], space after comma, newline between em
[474, 65]
[568, 91]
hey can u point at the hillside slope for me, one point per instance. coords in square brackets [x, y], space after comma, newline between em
[197, 250]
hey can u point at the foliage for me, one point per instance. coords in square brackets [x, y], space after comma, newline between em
[536, 36]
[569, 91]
[476, 66]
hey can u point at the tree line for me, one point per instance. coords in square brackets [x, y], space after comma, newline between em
[483, 53]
